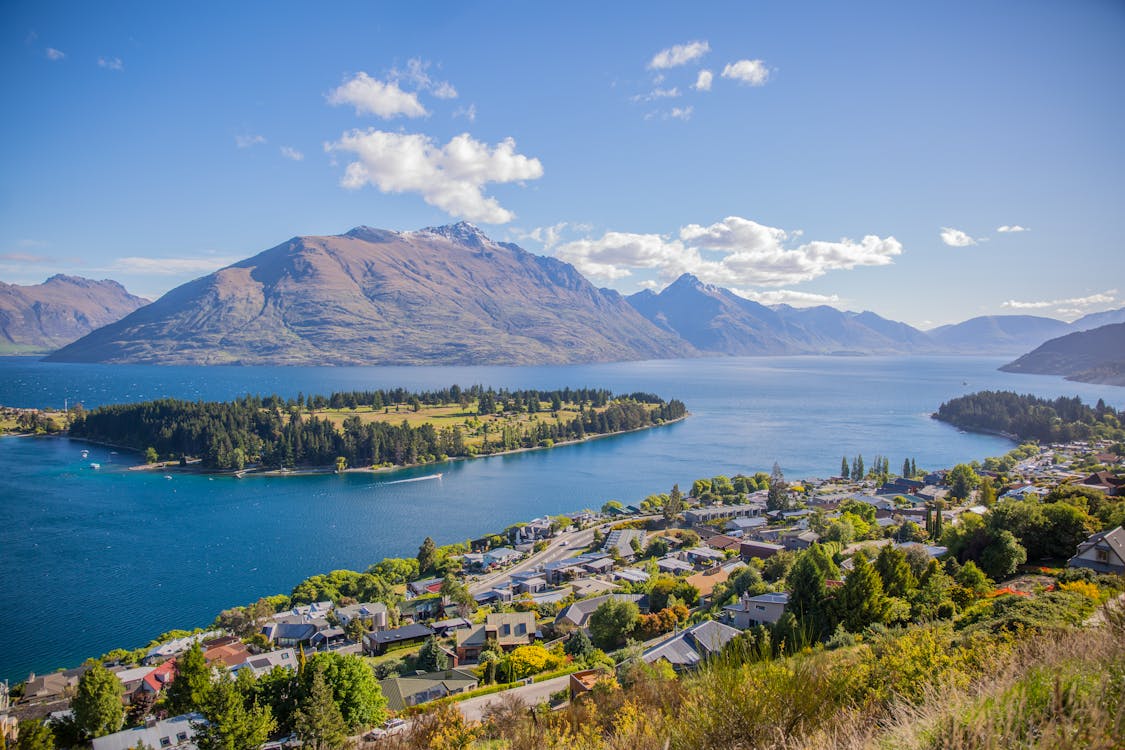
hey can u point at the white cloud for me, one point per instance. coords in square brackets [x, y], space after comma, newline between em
[649, 284]
[1013, 228]
[680, 54]
[248, 140]
[291, 153]
[788, 297]
[55, 55]
[658, 93]
[1073, 305]
[751, 72]
[750, 254]
[451, 177]
[956, 238]
[369, 96]
[681, 113]
[417, 75]
[703, 81]
[469, 112]
[168, 266]
[111, 63]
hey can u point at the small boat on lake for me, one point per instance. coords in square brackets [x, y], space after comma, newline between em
[85, 454]
[95, 466]
[415, 479]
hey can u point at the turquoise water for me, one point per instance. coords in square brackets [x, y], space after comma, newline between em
[93, 560]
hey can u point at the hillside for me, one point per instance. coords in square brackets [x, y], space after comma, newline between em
[43, 317]
[1095, 356]
[444, 295]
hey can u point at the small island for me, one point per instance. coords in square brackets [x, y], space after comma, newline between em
[367, 430]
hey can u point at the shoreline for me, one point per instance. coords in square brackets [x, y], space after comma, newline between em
[307, 471]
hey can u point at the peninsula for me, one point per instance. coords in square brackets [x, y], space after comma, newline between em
[367, 429]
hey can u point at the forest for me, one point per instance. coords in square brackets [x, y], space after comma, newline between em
[1026, 417]
[276, 433]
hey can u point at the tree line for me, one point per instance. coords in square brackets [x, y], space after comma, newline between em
[1027, 417]
[230, 435]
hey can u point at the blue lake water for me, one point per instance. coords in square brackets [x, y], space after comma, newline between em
[92, 560]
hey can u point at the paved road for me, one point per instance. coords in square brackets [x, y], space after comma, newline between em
[540, 692]
[562, 546]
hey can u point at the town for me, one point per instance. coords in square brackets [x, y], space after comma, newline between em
[548, 611]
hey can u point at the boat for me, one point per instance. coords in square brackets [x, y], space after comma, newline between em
[167, 476]
[85, 454]
[95, 466]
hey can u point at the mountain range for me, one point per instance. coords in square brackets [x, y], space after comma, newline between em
[441, 295]
[43, 317]
[451, 295]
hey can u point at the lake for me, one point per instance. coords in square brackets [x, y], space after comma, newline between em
[94, 560]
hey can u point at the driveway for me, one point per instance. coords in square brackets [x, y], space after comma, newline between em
[539, 692]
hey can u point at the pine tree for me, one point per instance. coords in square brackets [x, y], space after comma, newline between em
[807, 595]
[777, 498]
[427, 555]
[674, 504]
[898, 579]
[844, 472]
[430, 657]
[578, 645]
[861, 601]
[906, 468]
[97, 705]
[34, 735]
[190, 684]
[318, 722]
[230, 724]
[913, 468]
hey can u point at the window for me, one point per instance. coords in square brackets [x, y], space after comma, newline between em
[166, 742]
[181, 737]
[1102, 555]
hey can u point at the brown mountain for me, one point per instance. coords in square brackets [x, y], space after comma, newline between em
[444, 295]
[43, 317]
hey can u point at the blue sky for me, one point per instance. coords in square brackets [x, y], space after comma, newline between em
[862, 154]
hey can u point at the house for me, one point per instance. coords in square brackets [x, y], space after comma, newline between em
[1026, 492]
[176, 732]
[377, 643]
[421, 607]
[673, 565]
[932, 550]
[171, 648]
[444, 627]
[761, 550]
[577, 615]
[1105, 481]
[701, 516]
[584, 681]
[1103, 552]
[372, 613]
[531, 585]
[764, 609]
[632, 575]
[227, 654]
[413, 690]
[507, 629]
[900, 486]
[739, 526]
[601, 565]
[584, 587]
[131, 679]
[802, 540]
[501, 556]
[560, 570]
[52, 686]
[423, 587]
[264, 663]
[286, 634]
[330, 638]
[690, 648]
[155, 681]
[704, 556]
[620, 543]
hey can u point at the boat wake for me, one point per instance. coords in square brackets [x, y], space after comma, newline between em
[414, 479]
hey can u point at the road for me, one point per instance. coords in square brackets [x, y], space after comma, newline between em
[561, 546]
[539, 692]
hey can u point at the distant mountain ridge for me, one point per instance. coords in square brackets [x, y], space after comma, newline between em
[718, 321]
[42, 317]
[1094, 356]
[440, 295]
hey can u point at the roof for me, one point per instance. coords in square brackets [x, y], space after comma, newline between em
[294, 631]
[689, 647]
[405, 633]
[161, 676]
[579, 613]
[621, 541]
[633, 575]
[263, 663]
[707, 580]
[399, 689]
[510, 627]
[1114, 538]
[174, 733]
